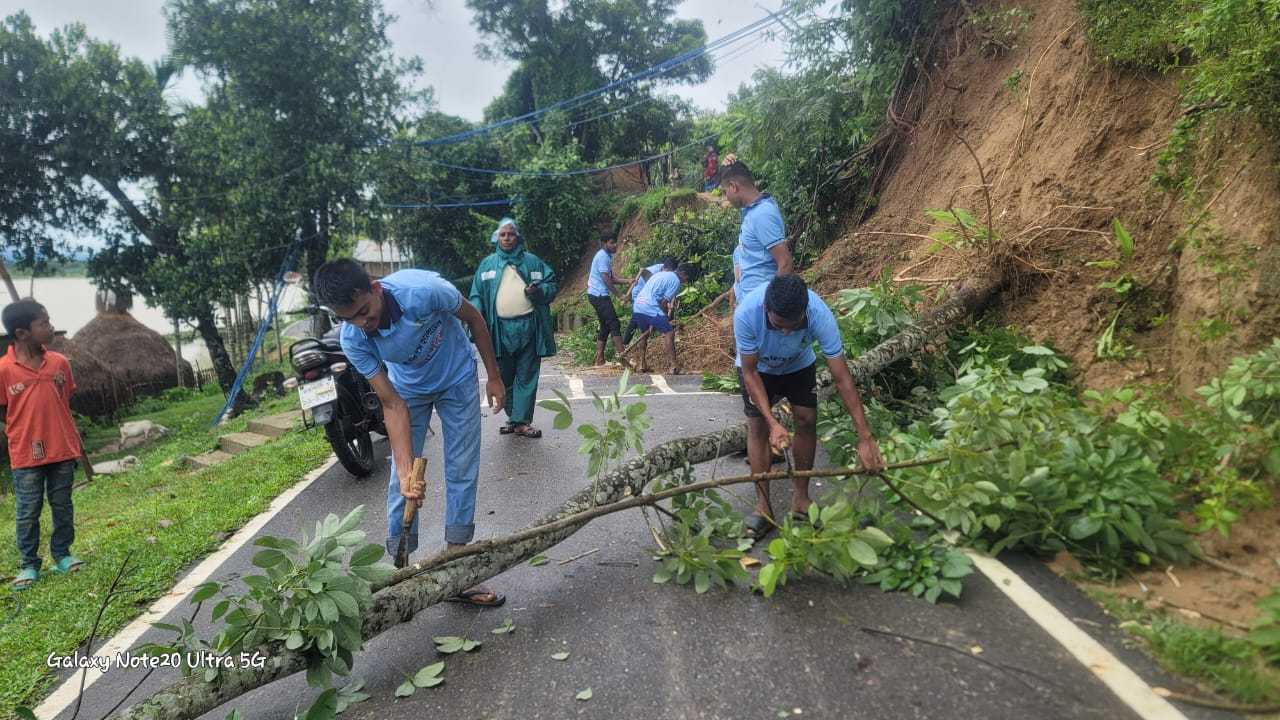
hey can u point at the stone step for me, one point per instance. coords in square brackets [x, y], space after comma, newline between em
[236, 443]
[275, 425]
[211, 458]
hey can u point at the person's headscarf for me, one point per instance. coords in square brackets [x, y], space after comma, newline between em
[515, 255]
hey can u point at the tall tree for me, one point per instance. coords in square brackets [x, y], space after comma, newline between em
[39, 204]
[320, 78]
[578, 45]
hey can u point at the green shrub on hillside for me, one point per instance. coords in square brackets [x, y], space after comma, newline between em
[1143, 34]
[649, 204]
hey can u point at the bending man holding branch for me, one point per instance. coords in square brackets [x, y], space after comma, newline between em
[774, 328]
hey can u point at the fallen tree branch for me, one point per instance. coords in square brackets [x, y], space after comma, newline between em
[399, 603]
[714, 303]
[636, 501]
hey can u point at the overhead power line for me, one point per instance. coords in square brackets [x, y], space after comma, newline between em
[653, 71]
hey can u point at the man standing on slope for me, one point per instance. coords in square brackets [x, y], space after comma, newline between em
[762, 251]
[405, 334]
[774, 329]
[601, 285]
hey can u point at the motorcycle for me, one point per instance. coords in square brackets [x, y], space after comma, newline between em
[339, 398]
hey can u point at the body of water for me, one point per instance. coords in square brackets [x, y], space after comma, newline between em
[71, 307]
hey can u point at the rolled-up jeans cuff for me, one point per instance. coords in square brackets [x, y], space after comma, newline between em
[459, 534]
[393, 544]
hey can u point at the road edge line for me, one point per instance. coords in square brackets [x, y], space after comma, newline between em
[1127, 685]
[66, 693]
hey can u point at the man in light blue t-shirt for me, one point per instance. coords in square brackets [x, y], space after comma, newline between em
[762, 251]
[775, 327]
[600, 286]
[668, 263]
[405, 334]
[654, 308]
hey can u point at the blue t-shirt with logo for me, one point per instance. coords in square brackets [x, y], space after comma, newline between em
[601, 263]
[761, 229]
[779, 352]
[653, 269]
[426, 350]
[662, 286]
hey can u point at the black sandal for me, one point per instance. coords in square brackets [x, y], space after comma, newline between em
[757, 526]
[507, 429]
[530, 432]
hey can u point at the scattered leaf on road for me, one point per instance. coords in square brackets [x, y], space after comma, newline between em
[406, 689]
[429, 676]
[584, 695]
[560, 656]
[537, 560]
[507, 626]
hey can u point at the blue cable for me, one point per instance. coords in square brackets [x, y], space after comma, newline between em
[567, 173]
[664, 66]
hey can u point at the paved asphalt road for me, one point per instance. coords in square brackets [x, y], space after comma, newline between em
[660, 651]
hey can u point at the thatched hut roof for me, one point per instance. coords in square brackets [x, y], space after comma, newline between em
[99, 390]
[138, 355]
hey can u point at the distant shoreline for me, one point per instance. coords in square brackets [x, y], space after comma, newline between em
[71, 269]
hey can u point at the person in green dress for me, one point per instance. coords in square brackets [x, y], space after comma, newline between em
[513, 289]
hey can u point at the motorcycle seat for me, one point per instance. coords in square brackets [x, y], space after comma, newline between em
[330, 341]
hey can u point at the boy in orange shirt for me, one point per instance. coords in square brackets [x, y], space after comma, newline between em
[35, 404]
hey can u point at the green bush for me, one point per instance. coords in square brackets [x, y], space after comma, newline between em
[649, 204]
[557, 214]
[704, 238]
[1143, 34]
[1030, 467]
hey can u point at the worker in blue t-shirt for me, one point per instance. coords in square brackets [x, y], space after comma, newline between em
[774, 328]
[405, 334]
[637, 284]
[761, 253]
[655, 307]
[601, 284]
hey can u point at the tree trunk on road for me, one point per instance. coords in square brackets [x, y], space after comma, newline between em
[399, 603]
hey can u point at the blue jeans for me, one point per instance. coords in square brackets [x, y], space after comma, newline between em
[459, 408]
[30, 485]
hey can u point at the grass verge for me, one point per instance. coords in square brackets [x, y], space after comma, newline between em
[119, 514]
[1219, 663]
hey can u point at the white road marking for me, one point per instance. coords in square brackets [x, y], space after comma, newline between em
[661, 383]
[1125, 683]
[66, 693]
[650, 396]
[576, 389]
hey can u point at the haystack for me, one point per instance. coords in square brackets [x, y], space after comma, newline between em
[138, 355]
[99, 390]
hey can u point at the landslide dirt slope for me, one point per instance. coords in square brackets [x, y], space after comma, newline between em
[1072, 144]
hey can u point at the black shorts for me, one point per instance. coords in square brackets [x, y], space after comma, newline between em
[603, 305]
[799, 387]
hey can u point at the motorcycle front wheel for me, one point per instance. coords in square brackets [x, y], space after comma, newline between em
[354, 448]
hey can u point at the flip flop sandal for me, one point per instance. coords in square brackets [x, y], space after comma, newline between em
[468, 597]
[26, 578]
[506, 429]
[758, 526]
[530, 432]
[68, 564]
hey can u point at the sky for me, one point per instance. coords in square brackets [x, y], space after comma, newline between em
[438, 31]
